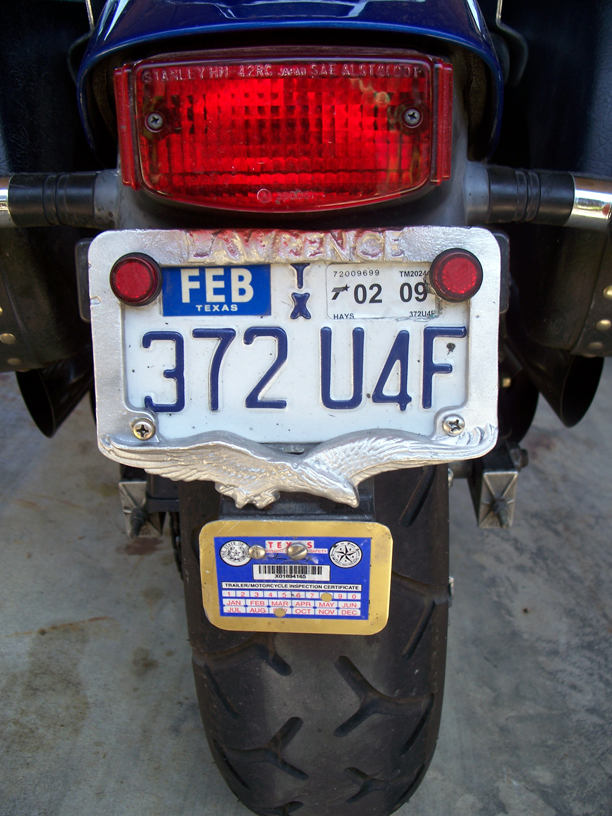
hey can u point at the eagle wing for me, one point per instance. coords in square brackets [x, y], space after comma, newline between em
[358, 456]
[251, 472]
[246, 471]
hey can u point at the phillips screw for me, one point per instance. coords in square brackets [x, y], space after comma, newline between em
[155, 121]
[453, 425]
[412, 117]
[143, 428]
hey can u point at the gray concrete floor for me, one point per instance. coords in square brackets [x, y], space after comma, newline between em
[97, 706]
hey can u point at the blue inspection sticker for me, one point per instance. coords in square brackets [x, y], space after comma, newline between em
[216, 290]
[256, 577]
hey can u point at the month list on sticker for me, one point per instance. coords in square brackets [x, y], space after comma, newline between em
[316, 577]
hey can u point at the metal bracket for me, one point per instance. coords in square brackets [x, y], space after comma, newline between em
[138, 522]
[518, 50]
[493, 484]
[81, 251]
[494, 503]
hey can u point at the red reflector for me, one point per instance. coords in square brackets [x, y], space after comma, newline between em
[456, 275]
[295, 134]
[136, 279]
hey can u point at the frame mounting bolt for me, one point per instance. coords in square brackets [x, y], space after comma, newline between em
[155, 121]
[453, 425]
[143, 428]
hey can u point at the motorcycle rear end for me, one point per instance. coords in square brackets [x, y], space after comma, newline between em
[299, 324]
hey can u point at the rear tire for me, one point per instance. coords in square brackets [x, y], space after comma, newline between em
[331, 725]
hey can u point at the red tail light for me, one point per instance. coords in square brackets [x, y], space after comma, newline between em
[292, 134]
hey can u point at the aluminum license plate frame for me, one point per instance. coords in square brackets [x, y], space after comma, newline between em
[248, 470]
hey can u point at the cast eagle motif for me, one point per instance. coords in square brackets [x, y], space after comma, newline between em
[250, 472]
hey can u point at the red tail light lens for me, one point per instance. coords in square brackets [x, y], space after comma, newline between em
[285, 135]
[456, 275]
[136, 279]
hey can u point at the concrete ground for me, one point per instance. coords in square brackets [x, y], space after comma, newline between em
[97, 706]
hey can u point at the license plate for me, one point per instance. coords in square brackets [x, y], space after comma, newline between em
[341, 584]
[294, 337]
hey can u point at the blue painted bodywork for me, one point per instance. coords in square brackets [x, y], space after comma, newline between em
[126, 23]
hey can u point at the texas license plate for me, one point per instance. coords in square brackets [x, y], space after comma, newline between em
[294, 337]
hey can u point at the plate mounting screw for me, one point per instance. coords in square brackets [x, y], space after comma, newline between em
[297, 551]
[412, 117]
[155, 121]
[257, 552]
[143, 428]
[453, 425]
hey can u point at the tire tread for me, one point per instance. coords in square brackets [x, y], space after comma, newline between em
[336, 725]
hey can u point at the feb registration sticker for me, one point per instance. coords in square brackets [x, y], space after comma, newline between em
[296, 576]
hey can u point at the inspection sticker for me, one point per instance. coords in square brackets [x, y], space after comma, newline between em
[257, 577]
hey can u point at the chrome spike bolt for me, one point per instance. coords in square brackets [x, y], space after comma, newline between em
[500, 509]
[138, 519]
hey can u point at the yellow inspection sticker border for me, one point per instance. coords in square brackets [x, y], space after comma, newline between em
[380, 574]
